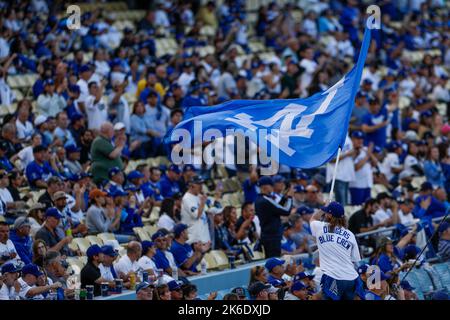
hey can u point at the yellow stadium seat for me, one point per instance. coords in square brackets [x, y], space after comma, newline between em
[150, 229]
[94, 240]
[210, 261]
[141, 234]
[106, 236]
[82, 244]
[76, 264]
[221, 258]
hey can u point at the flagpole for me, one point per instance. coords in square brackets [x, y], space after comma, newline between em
[334, 175]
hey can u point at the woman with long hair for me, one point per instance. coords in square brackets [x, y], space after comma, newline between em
[258, 273]
[162, 292]
[167, 216]
[40, 249]
[385, 257]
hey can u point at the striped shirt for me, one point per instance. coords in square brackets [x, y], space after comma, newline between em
[444, 249]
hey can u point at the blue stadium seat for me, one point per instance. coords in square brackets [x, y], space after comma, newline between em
[414, 282]
[442, 270]
[424, 280]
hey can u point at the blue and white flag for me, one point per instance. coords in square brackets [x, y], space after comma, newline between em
[304, 133]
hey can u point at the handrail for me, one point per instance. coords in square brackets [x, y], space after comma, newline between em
[384, 229]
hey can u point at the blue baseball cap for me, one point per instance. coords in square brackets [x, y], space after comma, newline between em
[71, 148]
[113, 171]
[93, 250]
[302, 176]
[174, 168]
[118, 193]
[188, 167]
[377, 149]
[443, 227]
[130, 188]
[158, 234]
[109, 251]
[406, 286]
[426, 114]
[357, 134]
[84, 68]
[31, 269]
[303, 275]
[362, 269]
[297, 286]
[335, 209]
[304, 210]
[299, 188]
[276, 282]
[174, 285]
[265, 180]
[74, 88]
[142, 285]
[179, 228]
[48, 82]
[393, 146]
[367, 81]
[10, 268]
[147, 245]
[426, 186]
[273, 262]
[53, 212]
[278, 179]
[134, 175]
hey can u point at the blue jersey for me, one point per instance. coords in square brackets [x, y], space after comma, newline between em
[152, 189]
[6, 164]
[250, 191]
[169, 187]
[181, 253]
[35, 172]
[160, 260]
[288, 245]
[378, 137]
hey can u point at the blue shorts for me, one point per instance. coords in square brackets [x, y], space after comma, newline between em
[333, 289]
[359, 195]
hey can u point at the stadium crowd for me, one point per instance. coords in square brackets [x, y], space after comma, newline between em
[82, 152]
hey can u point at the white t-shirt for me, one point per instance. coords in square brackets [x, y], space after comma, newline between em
[106, 272]
[346, 168]
[198, 227]
[166, 222]
[409, 162]
[317, 272]
[145, 263]
[171, 259]
[7, 293]
[26, 156]
[391, 161]
[124, 265]
[363, 176]
[7, 248]
[24, 131]
[84, 90]
[24, 288]
[97, 113]
[405, 219]
[337, 251]
[381, 215]
[6, 196]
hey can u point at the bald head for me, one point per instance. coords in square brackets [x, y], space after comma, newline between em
[107, 130]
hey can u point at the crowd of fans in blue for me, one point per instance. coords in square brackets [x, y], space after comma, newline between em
[105, 98]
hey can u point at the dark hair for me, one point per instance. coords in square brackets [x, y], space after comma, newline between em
[230, 296]
[167, 206]
[254, 273]
[3, 223]
[188, 288]
[245, 205]
[337, 222]
[370, 202]
[175, 111]
[227, 214]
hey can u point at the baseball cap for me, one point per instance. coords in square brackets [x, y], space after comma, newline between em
[273, 262]
[174, 285]
[97, 193]
[303, 275]
[255, 288]
[10, 268]
[158, 234]
[113, 171]
[142, 285]
[334, 208]
[299, 188]
[302, 176]
[196, 180]
[48, 82]
[362, 269]
[118, 193]
[297, 286]
[39, 148]
[443, 227]
[109, 251]
[40, 119]
[134, 175]
[393, 145]
[357, 134]
[405, 175]
[59, 195]
[84, 68]
[188, 167]
[179, 228]
[426, 186]
[37, 206]
[265, 180]
[174, 168]
[31, 268]
[74, 88]
[119, 126]
[304, 210]
[21, 222]
[146, 245]
[377, 149]
[76, 117]
[276, 282]
[53, 212]
[278, 179]
[94, 250]
[411, 250]
[239, 291]
[367, 81]
[320, 179]
[406, 286]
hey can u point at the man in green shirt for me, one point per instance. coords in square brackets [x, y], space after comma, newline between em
[104, 154]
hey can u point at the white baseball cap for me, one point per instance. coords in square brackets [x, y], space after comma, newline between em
[119, 126]
[40, 119]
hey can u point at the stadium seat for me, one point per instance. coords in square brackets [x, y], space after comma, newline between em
[150, 229]
[76, 264]
[221, 258]
[106, 236]
[141, 234]
[417, 181]
[442, 270]
[2, 219]
[210, 261]
[425, 282]
[94, 240]
[82, 244]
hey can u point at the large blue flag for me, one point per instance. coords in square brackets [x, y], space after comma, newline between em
[303, 133]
